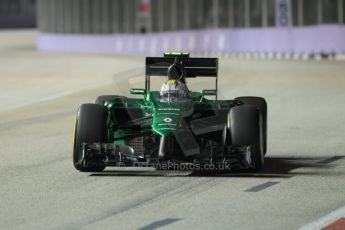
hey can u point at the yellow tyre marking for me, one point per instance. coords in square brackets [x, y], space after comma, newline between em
[74, 134]
[262, 156]
[228, 123]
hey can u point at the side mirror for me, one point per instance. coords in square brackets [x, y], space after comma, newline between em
[209, 92]
[137, 91]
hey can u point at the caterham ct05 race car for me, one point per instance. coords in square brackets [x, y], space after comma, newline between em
[172, 126]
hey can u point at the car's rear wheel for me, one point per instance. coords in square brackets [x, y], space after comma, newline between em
[261, 104]
[102, 100]
[246, 129]
[89, 127]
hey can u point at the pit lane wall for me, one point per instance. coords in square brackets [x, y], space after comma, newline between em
[312, 40]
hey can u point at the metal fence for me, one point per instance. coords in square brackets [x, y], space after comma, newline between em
[125, 16]
[87, 16]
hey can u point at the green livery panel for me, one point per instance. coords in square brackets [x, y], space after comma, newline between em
[163, 118]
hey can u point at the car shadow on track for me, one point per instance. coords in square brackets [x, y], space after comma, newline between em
[275, 167]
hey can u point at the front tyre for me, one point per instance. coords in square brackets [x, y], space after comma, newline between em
[246, 129]
[261, 104]
[89, 127]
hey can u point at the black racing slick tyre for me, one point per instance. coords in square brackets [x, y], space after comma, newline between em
[246, 129]
[261, 104]
[89, 127]
[102, 100]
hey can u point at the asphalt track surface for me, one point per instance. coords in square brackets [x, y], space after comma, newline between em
[303, 178]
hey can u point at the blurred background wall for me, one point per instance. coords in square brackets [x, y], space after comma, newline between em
[143, 27]
[17, 13]
[137, 16]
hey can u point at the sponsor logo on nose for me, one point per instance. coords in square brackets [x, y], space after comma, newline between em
[167, 119]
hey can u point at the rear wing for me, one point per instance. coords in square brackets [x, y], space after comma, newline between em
[193, 67]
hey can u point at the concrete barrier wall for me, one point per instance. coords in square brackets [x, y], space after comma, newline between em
[296, 40]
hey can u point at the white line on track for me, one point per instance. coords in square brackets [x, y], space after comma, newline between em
[57, 95]
[326, 220]
[16, 103]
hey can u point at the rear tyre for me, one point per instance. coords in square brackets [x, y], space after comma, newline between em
[89, 127]
[261, 104]
[246, 128]
[102, 100]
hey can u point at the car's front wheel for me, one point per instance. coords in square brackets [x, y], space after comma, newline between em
[246, 129]
[261, 104]
[89, 127]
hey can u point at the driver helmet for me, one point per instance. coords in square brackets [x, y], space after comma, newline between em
[173, 90]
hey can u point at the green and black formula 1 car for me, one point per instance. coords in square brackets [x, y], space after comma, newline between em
[172, 127]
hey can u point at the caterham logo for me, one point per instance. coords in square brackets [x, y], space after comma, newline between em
[167, 119]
